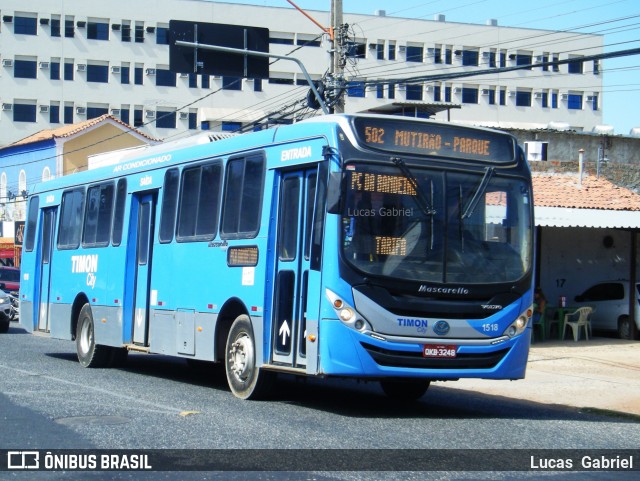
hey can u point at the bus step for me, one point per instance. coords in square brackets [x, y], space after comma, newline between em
[135, 347]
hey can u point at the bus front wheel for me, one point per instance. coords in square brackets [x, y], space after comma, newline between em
[405, 390]
[245, 379]
[89, 353]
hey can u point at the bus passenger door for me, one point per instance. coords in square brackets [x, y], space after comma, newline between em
[44, 282]
[142, 224]
[290, 301]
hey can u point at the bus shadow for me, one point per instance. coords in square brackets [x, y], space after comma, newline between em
[360, 399]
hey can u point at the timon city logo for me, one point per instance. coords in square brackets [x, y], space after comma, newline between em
[87, 264]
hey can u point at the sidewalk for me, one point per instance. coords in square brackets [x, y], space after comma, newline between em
[602, 373]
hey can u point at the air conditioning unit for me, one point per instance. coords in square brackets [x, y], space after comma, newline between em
[7, 107]
[115, 69]
[401, 87]
[81, 110]
[457, 53]
[44, 21]
[537, 95]
[484, 92]
[511, 93]
[44, 109]
[7, 19]
[151, 29]
[402, 48]
[373, 46]
[81, 67]
[7, 62]
[564, 96]
[81, 24]
[590, 98]
[115, 26]
[512, 56]
[150, 71]
[184, 75]
[115, 112]
[539, 58]
[428, 88]
[184, 115]
[150, 114]
[457, 90]
[43, 65]
[486, 54]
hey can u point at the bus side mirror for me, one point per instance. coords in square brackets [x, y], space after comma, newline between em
[333, 192]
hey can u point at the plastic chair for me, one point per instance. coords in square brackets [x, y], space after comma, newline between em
[584, 320]
[551, 319]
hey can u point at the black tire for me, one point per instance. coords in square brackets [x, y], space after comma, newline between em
[624, 328]
[4, 326]
[89, 353]
[246, 381]
[405, 390]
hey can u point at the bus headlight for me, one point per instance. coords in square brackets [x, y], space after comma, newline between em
[519, 325]
[346, 313]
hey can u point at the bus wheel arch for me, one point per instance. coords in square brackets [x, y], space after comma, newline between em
[228, 314]
[79, 302]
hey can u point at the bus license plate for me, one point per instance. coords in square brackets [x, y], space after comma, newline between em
[439, 350]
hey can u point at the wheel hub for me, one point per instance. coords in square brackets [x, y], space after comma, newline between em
[241, 357]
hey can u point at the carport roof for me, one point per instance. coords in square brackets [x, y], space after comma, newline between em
[565, 200]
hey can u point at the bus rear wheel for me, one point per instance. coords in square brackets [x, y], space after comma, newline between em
[89, 353]
[405, 390]
[245, 379]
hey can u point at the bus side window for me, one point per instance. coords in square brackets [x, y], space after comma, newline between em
[169, 205]
[243, 198]
[71, 214]
[32, 220]
[118, 215]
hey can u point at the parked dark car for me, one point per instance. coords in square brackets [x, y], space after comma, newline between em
[9, 279]
[6, 311]
[610, 300]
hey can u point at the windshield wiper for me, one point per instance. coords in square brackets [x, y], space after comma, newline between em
[482, 187]
[421, 198]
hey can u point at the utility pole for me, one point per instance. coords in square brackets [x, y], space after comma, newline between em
[337, 51]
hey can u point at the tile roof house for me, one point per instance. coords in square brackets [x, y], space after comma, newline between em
[567, 200]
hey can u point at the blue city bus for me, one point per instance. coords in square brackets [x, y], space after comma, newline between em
[381, 248]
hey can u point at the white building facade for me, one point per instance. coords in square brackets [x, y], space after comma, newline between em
[64, 61]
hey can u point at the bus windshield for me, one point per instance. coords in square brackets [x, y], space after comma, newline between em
[436, 226]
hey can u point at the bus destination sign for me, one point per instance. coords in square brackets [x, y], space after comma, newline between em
[421, 138]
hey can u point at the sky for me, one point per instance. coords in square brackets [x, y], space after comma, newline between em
[617, 20]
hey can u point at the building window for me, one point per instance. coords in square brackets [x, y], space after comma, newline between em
[447, 94]
[68, 114]
[125, 74]
[355, 89]
[503, 59]
[414, 92]
[126, 32]
[594, 101]
[24, 112]
[492, 97]
[165, 78]
[95, 112]
[69, 28]
[280, 81]
[24, 69]
[469, 95]
[356, 50]
[545, 99]
[54, 114]
[98, 73]
[415, 54]
[166, 119]
[231, 126]
[137, 117]
[68, 70]
[596, 67]
[437, 55]
[233, 83]
[470, 58]
[492, 59]
[308, 42]
[193, 81]
[162, 35]
[205, 81]
[554, 100]
[138, 76]
[281, 41]
[380, 51]
[193, 120]
[556, 67]
[523, 98]
[391, 51]
[574, 102]
[257, 85]
[139, 33]
[205, 125]
[55, 27]
[524, 59]
[25, 25]
[545, 59]
[98, 30]
[503, 96]
[380, 91]
[575, 66]
[54, 70]
[124, 115]
[437, 93]
[392, 91]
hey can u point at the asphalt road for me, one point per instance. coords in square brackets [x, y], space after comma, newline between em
[47, 401]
